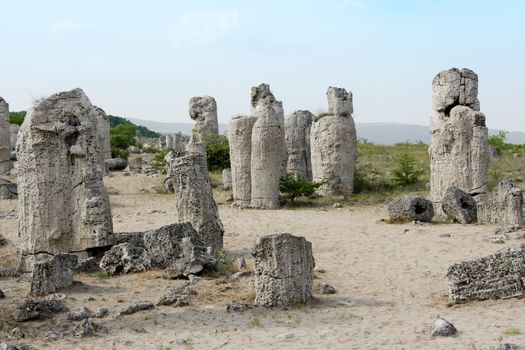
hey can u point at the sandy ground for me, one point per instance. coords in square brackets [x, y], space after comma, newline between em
[390, 282]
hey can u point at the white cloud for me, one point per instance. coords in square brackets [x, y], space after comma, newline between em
[65, 26]
[204, 27]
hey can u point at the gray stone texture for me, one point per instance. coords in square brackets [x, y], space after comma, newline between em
[459, 150]
[135, 164]
[53, 273]
[240, 139]
[203, 110]
[297, 139]
[495, 276]
[116, 164]
[5, 138]
[333, 145]
[226, 179]
[284, 267]
[13, 131]
[8, 189]
[63, 204]
[195, 203]
[103, 136]
[125, 258]
[459, 205]
[504, 206]
[405, 209]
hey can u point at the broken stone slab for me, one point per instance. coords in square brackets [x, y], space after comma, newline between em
[5, 139]
[177, 297]
[406, 209]
[137, 307]
[116, 164]
[125, 258]
[240, 140]
[87, 328]
[459, 205]
[194, 199]
[63, 204]
[455, 87]
[443, 328]
[496, 276]
[284, 267]
[136, 239]
[53, 273]
[8, 189]
[504, 206]
[88, 265]
[79, 315]
[178, 249]
[226, 179]
[37, 309]
[297, 139]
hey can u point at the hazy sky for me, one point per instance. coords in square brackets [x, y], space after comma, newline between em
[145, 59]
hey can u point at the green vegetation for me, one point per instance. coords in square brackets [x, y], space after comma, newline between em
[17, 117]
[406, 172]
[217, 152]
[142, 130]
[158, 160]
[293, 188]
[498, 142]
[122, 137]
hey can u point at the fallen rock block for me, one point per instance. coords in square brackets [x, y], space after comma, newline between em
[443, 328]
[504, 206]
[176, 297]
[37, 309]
[53, 273]
[8, 189]
[124, 258]
[459, 205]
[116, 164]
[88, 265]
[405, 209]
[495, 276]
[87, 328]
[79, 315]
[7, 346]
[325, 288]
[140, 306]
[238, 307]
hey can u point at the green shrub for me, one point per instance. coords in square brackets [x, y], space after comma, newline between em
[293, 188]
[158, 160]
[498, 141]
[17, 117]
[217, 151]
[368, 179]
[406, 172]
[122, 137]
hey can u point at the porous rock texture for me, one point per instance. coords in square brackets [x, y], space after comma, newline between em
[459, 150]
[495, 276]
[240, 139]
[5, 138]
[504, 206]
[135, 164]
[284, 267]
[62, 201]
[103, 136]
[177, 248]
[459, 205]
[404, 209]
[297, 138]
[203, 110]
[116, 164]
[333, 145]
[8, 189]
[53, 273]
[125, 258]
[37, 309]
[195, 203]
[13, 131]
[226, 179]
[268, 152]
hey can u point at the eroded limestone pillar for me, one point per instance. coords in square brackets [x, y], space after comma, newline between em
[5, 138]
[297, 139]
[203, 110]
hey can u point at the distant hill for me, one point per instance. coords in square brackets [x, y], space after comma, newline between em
[144, 131]
[378, 133]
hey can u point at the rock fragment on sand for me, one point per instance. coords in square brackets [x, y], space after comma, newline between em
[79, 315]
[443, 328]
[177, 297]
[124, 258]
[116, 164]
[87, 328]
[459, 205]
[137, 307]
[101, 312]
[8, 189]
[37, 309]
[53, 273]
[406, 209]
[325, 288]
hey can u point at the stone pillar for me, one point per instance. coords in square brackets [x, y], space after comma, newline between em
[226, 179]
[135, 164]
[162, 143]
[169, 142]
[5, 138]
[204, 111]
[194, 196]
[13, 129]
[103, 136]
[267, 153]
[240, 139]
[284, 269]
[333, 145]
[177, 142]
[504, 206]
[63, 204]
[459, 150]
[297, 139]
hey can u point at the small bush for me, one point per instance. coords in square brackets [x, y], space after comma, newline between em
[217, 151]
[122, 137]
[293, 188]
[17, 117]
[158, 160]
[406, 172]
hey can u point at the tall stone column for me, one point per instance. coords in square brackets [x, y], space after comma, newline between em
[5, 138]
[240, 140]
[103, 136]
[459, 151]
[13, 128]
[203, 110]
[333, 145]
[297, 139]
[169, 142]
[267, 153]
[63, 204]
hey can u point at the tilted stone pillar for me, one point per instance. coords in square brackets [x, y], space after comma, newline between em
[333, 145]
[284, 269]
[63, 204]
[195, 203]
[240, 139]
[204, 111]
[267, 153]
[103, 136]
[5, 138]
[297, 139]
[459, 150]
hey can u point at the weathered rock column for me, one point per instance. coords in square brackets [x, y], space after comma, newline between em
[240, 139]
[63, 204]
[13, 129]
[169, 142]
[5, 139]
[204, 111]
[226, 179]
[177, 142]
[195, 203]
[284, 268]
[504, 206]
[459, 150]
[103, 136]
[135, 163]
[267, 153]
[297, 139]
[333, 145]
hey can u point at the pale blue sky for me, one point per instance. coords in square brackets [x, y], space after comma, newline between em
[145, 59]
